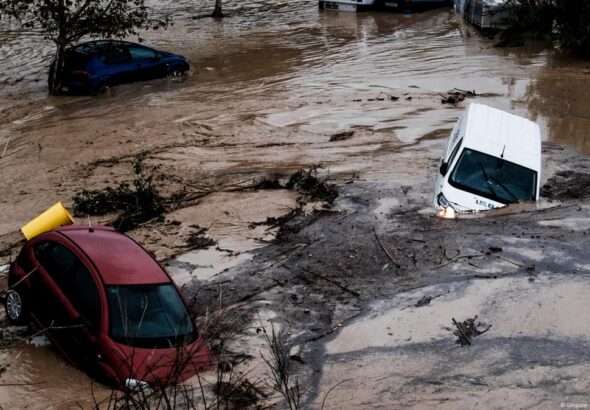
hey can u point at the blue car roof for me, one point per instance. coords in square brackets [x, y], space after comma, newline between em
[92, 47]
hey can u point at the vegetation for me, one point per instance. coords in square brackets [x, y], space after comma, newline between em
[65, 22]
[565, 21]
[136, 205]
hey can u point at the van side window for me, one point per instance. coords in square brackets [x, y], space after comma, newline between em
[454, 153]
[73, 278]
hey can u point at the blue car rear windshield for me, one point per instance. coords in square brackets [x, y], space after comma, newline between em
[494, 178]
[149, 316]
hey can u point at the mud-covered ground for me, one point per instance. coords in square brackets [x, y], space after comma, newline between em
[279, 87]
[352, 314]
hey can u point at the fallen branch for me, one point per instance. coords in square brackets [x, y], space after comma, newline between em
[520, 265]
[455, 259]
[383, 247]
[330, 391]
[346, 216]
[333, 282]
[20, 384]
[332, 330]
[462, 333]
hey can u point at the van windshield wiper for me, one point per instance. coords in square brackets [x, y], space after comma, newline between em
[505, 188]
[488, 180]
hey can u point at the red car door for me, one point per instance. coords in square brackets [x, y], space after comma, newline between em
[68, 302]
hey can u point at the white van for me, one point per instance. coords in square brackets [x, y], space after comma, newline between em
[493, 159]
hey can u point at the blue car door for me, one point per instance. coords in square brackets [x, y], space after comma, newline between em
[118, 66]
[149, 62]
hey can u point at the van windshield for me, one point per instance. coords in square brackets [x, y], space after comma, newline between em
[148, 316]
[494, 178]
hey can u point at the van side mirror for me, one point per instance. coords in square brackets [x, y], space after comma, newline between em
[444, 167]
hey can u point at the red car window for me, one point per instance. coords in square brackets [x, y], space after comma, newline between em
[73, 278]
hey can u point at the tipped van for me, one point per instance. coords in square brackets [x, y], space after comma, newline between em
[493, 159]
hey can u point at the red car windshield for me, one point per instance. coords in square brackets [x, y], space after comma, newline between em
[149, 316]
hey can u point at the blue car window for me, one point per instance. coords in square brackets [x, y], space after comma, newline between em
[115, 54]
[142, 53]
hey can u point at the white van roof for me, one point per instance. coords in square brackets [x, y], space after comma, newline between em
[494, 131]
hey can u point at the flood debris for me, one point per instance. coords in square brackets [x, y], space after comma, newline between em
[469, 329]
[280, 366]
[425, 300]
[136, 202]
[198, 239]
[239, 394]
[307, 182]
[342, 136]
[566, 185]
[456, 95]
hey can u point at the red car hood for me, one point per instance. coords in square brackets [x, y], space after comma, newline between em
[160, 367]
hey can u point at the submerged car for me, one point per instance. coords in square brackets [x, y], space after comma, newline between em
[93, 66]
[406, 6]
[493, 159]
[107, 305]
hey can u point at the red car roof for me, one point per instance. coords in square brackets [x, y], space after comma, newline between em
[119, 259]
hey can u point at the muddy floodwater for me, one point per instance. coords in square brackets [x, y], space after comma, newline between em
[268, 88]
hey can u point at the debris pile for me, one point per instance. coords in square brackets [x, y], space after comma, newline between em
[341, 136]
[468, 329]
[456, 95]
[198, 239]
[306, 182]
[567, 185]
[134, 205]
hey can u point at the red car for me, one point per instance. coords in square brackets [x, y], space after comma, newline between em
[108, 306]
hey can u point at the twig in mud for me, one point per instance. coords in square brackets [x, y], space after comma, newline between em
[332, 330]
[383, 247]
[331, 389]
[21, 384]
[462, 333]
[297, 247]
[5, 147]
[21, 279]
[520, 265]
[346, 216]
[455, 259]
[333, 282]
[51, 327]
[14, 151]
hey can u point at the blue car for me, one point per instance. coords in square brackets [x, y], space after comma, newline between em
[93, 66]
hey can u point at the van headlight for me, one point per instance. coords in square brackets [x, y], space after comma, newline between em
[136, 386]
[442, 201]
[446, 210]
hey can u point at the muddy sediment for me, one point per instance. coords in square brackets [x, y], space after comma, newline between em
[359, 261]
[359, 94]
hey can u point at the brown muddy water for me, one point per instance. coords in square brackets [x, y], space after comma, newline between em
[268, 87]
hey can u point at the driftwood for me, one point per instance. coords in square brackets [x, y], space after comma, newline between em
[333, 282]
[462, 332]
[383, 247]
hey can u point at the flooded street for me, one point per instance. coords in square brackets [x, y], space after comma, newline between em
[269, 87]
